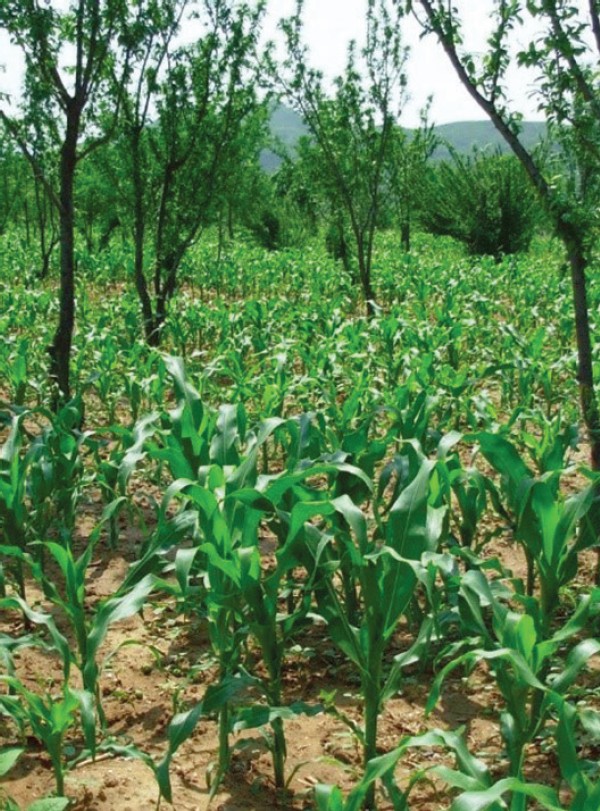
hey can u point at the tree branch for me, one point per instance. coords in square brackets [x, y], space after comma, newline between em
[445, 35]
[31, 159]
[567, 54]
[595, 17]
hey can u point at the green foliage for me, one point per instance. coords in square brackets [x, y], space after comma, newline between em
[303, 465]
[49, 719]
[485, 201]
[352, 128]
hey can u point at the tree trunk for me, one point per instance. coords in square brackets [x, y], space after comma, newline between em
[60, 349]
[230, 228]
[571, 238]
[141, 286]
[405, 234]
[364, 271]
[108, 232]
[139, 229]
[585, 373]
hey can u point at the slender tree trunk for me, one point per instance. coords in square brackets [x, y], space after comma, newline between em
[45, 269]
[139, 237]
[230, 228]
[571, 238]
[26, 213]
[405, 232]
[108, 232]
[585, 374]
[364, 270]
[368, 293]
[60, 349]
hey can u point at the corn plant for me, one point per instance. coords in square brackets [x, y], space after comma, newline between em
[548, 441]
[113, 470]
[272, 628]
[14, 511]
[577, 773]
[469, 773]
[550, 528]
[201, 451]
[519, 652]
[387, 568]
[57, 478]
[50, 719]
[89, 629]
[16, 372]
[8, 758]
[466, 487]
[239, 597]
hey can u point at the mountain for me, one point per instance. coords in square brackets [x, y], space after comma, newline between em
[287, 127]
[464, 136]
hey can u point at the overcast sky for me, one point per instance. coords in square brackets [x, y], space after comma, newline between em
[330, 24]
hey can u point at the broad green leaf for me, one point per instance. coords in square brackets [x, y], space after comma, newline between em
[8, 758]
[481, 800]
[50, 804]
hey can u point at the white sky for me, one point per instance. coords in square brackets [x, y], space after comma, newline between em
[330, 24]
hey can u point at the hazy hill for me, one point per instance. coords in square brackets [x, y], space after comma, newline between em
[463, 136]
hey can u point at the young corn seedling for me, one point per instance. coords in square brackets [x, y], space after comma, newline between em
[387, 568]
[467, 487]
[518, 652]
[469, 772]
[17, 373]
[272, 628]
[113, 472]
[8, 758]
[57, 459]
[50, 718]
[14, 510]
[202, 451]
[578, 773]
[548, 442]
[551, 528]
[89, 628]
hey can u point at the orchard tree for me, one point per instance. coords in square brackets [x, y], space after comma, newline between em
[150, 28]
[183, 113]
[67, 55]
[565, 55]
[484, 200]
[407, 167]
[244, 186]
[352, 127]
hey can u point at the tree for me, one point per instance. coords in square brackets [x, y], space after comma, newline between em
[182, 113]
[484, 200]
[244, 185]
[565, 57]
[407, 166]
[67, 54]
[351, 129]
